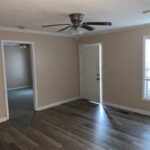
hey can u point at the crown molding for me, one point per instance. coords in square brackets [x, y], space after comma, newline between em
[11, 29]
[115, 30]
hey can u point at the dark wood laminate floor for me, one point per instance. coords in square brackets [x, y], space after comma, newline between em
[78, 125]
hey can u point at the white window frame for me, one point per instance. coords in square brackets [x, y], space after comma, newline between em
[143, 89]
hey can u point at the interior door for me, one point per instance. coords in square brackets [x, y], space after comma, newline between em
[90, 73]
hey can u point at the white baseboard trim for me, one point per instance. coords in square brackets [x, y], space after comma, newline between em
[139, 111]
[57, 103]
[3, 119]
[17, 88]
[95, 102]
[47, 106]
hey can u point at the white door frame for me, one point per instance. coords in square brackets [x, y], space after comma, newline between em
[33, 61]
[101, 70]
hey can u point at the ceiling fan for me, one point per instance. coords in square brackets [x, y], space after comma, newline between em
[76, 22]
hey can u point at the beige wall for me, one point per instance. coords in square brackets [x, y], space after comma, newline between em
[122, 70]
[57, 67]
[18, 66]
[57, 64]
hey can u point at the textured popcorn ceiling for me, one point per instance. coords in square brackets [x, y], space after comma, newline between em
[34, 13]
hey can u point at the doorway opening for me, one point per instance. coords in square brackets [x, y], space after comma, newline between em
[91, 72]
[19, 78]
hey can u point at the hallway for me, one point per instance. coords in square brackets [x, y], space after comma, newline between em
[20, 102]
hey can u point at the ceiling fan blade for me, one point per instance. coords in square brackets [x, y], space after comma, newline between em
[146, 11]
[98, 23]
[51, 25]
[89, 28]
[64, 28]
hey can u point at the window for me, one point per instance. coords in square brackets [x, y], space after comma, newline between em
[147, 69]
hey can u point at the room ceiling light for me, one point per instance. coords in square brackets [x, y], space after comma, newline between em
[22, 46]
[77, 24]
[76, 31]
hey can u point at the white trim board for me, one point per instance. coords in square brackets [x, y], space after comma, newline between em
[95, 102]
[114, 30]
[17, 88]
[3, 119]
[33, 62]
[48, 106]
[135, 110]
[57, 103]
[32, 31]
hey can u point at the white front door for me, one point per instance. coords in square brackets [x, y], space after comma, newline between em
[90, 72]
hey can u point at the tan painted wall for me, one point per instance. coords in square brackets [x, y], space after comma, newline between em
[57, 66]
[18, 66]
[123, 64]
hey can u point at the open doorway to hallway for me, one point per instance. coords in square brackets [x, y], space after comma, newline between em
[91, 72]
[19, 78]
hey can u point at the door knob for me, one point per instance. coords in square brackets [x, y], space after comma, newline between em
[97, 79]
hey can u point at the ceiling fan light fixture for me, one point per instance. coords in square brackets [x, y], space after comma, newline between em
[22, 46]
[77, 24]
[76, 31]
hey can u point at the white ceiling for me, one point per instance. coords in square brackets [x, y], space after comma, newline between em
[34, 13]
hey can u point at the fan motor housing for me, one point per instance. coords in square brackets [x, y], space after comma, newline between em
[76, 19]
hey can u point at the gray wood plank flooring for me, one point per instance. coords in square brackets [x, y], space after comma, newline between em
[77, 125]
